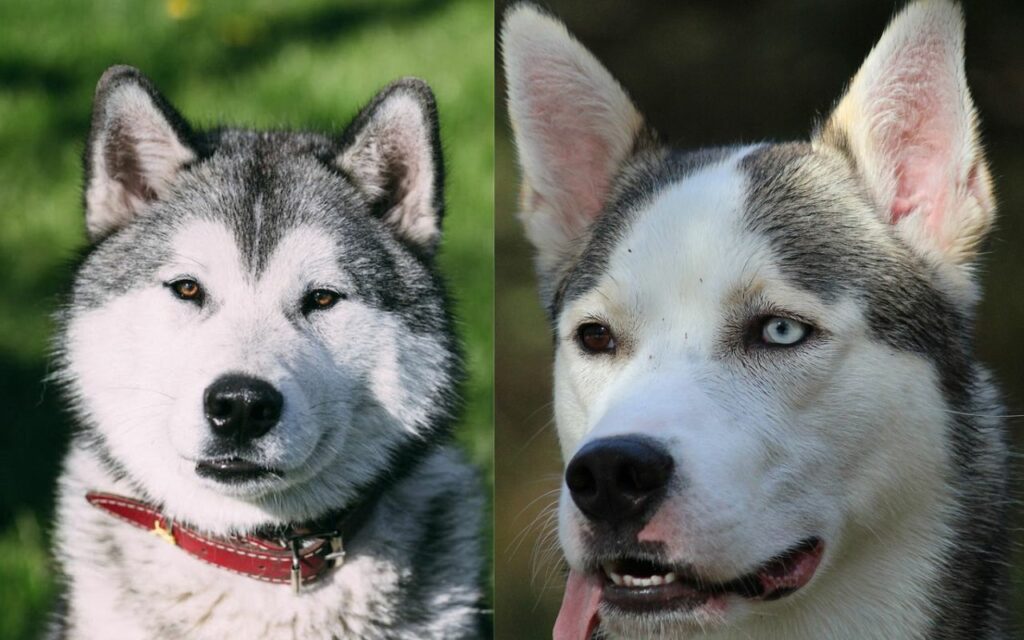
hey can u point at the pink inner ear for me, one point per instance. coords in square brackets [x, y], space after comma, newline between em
[576, 151]
[919, 114]
[922, 185]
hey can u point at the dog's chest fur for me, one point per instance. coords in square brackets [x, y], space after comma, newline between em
[418, 539]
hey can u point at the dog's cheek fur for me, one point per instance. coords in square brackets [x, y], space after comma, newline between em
[119, 392]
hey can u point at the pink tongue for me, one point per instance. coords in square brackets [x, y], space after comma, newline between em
[578, 617]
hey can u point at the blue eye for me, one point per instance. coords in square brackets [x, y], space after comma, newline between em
[784, 332]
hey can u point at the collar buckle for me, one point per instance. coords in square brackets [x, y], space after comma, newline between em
[336, 555]
[295, 545]
[165, 534]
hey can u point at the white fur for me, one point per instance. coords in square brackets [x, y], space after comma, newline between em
[354, 384]
[142, 362]
[172, 590]
[767, 460]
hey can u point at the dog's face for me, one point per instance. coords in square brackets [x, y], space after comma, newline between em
[257, 330]
[755, 346]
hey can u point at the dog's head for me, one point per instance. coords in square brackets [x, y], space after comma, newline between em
[257, 331]
[756, 347]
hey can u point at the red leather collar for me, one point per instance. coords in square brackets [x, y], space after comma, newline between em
[301, 559]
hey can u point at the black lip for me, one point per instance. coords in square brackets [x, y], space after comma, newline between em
[234, 470]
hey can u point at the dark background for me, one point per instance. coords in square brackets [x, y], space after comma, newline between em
[709, 73]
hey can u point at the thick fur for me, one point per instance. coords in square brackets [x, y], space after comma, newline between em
[370, 384]
[880, 434]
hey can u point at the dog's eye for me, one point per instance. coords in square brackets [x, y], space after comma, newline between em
[320, 299]
[187, 289]
[595, 338]
[783, 332]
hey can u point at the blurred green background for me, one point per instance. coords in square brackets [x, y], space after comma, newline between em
[711, 72]
[302, 63]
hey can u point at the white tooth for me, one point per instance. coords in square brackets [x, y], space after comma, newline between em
[642, 582]
[616, 578]
[607, 567]
[657, 580]
[628, 580]
[670, 577]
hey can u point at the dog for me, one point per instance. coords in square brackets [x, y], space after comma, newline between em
[765, 393]
[259, 356]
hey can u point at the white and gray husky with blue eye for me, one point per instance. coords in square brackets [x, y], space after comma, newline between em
[773, 423]
[262, 367]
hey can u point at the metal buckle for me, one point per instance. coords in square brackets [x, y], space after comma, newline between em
[294, 542]
[296, 564]
[337, 554]
[167, 535]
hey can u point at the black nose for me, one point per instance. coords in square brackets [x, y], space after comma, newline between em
[242, 407]
[619, 479]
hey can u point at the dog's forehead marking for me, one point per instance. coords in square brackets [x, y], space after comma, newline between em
[303, 253]
[805, 211]
[690, 245]
[265, 185]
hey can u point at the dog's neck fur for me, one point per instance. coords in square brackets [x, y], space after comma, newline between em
[128, 580]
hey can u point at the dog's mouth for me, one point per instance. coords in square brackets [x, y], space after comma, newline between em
[235, 470]
[634, 586]
[641, 584]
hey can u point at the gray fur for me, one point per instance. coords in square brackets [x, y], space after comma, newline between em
[854, 254]
[792, 189]
[414, 569]
[870, 228]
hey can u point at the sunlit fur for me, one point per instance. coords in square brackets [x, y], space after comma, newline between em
[260, 219]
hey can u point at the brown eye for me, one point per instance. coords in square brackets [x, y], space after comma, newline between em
[187, 289]
[320, 299]
[595, 338]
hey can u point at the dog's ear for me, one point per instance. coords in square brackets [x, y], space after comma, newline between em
[910, 126]
[392, 150]
[574, 128]
[137, 144]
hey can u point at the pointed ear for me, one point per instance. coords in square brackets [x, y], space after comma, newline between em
[910, 126]
[137, 144]
[574, 128]
[392, 151]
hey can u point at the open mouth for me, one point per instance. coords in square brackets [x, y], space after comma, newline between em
[641, 585]
[636, 586]
[235, 470]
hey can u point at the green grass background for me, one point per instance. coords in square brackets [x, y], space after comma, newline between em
[301, 63]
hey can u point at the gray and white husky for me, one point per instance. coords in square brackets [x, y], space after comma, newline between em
[772, 420]
[257, 346]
